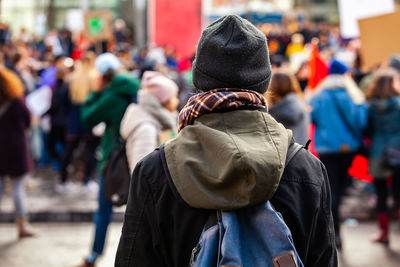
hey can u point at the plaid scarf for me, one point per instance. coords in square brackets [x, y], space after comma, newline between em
[219, 100]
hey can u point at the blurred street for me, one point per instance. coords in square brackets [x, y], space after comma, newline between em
[61, 245]
[47, 205]
[65, 245]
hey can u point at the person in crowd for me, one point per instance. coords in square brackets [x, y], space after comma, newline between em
[384, 108]
[108, 104]
[296, 45]
[339, 114]
[15, 61]
[66, 43]
[48, 77]
[58, 117]
[81, 84]
[226, 134]
[15, 158]
[5, 34]
[302, 75]
[143, 122]
[287, 105]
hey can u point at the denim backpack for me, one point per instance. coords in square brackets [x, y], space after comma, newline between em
[252, 236]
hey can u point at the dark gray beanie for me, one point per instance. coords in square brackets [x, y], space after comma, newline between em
[232, 53]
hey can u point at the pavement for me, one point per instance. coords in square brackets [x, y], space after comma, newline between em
[58, 245]
[66, 245]
[45, 204]
[359, 251]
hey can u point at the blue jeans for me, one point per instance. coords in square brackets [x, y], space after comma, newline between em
[102, 220]
[18, 191]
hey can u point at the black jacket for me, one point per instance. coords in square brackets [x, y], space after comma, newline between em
[160, 229]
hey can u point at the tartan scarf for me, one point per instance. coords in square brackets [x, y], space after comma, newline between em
[224, 99]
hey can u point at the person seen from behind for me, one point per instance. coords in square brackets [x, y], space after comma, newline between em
[58, 117]
[15, 157]
[340, 115]
[81, 83]
[384, 111]
[143, 122]
[229, 154]
[287, 105]
[108, 104]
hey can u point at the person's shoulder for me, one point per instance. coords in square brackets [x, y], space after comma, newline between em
[304, 168]
[125, 77]
[152, 167]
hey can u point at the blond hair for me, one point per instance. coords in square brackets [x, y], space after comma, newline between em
[83, 79]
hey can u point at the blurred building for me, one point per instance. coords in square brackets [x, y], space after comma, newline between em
[37, 16]
[320, 9]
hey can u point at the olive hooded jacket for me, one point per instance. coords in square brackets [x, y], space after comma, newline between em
[224, 161]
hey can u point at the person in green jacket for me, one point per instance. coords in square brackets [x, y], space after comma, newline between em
[108, 105]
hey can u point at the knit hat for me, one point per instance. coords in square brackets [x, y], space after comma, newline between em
[232, 53]
[337, 67]
[159, 86]
[107, 61]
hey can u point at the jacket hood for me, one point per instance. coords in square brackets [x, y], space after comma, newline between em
[124, 84]
[148, 110]
[289, 110]
[228, 160]
[335, 81]
[385, 105]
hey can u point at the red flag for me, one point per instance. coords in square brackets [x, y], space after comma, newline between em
[359, 169]
[317, 67]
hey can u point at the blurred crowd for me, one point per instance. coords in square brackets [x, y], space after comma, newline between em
[79, 100]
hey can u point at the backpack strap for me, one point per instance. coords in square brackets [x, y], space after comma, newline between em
[292, 151]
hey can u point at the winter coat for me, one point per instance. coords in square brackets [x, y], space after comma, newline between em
[385, 131]
[291, 112]
[141, 126]
[15, 157]
[224, 161]
[75, 126]
[59, 105]
[109, 106]
[338, 120]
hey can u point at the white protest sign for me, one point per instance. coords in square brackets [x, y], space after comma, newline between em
[75, 20]
[352, 10]
[39, 101]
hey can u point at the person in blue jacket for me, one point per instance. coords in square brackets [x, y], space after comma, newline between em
[384, 110]
[339, 114]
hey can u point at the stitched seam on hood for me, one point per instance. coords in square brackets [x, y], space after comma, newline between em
[273, 141]
[240, 155]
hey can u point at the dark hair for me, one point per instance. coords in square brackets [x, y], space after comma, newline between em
[61, 74]
[108, 76]
[16, 57]
[382, 87]
[281, 85]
